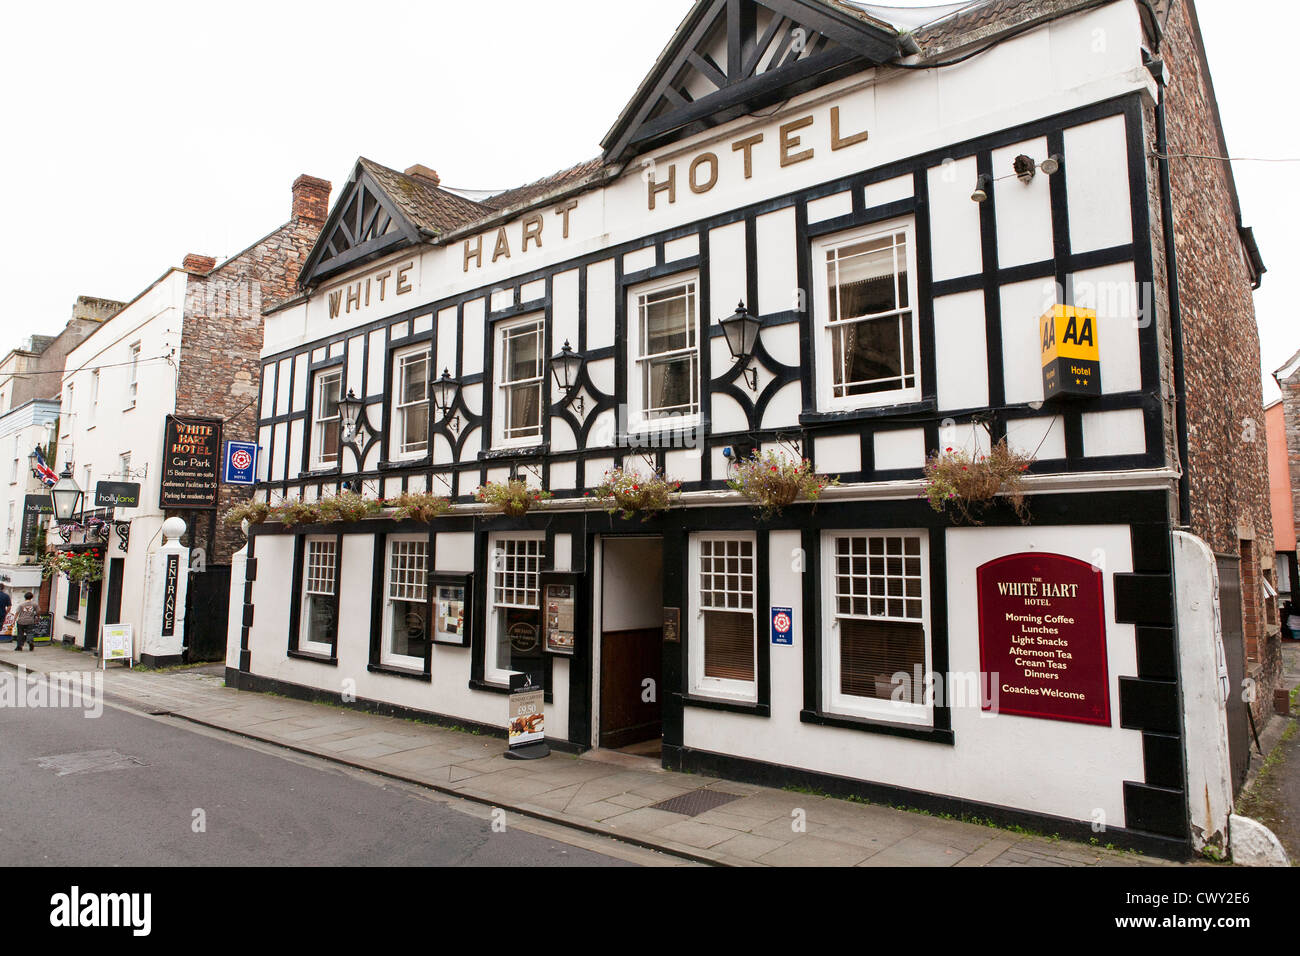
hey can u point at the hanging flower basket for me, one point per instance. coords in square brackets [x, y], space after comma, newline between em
[295, 512]
[629, 493]
[346, 506]
[78, 566]
[419, 505]
[966, 485]
[254, 512]
[772, 481]
[512, 498]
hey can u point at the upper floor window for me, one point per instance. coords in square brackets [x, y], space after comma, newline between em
[66, 413]
[664, 384]
[326, 422]
[868, 349]
[518, 413]
[876, 651]
[723, 650]
[412, 412]
[94, 393]
[133, 375]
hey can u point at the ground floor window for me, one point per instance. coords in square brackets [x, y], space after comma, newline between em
[722, 638]
[514, 607]
[404, 641]
[876, 624]
[318, 630]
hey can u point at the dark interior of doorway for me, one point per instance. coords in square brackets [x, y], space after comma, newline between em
[631, 645]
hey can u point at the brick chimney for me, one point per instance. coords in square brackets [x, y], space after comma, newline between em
[423, 173]
[311, 198]
[193, 262]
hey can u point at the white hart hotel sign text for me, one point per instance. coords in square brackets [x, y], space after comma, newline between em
[388, 282]
[794, 145]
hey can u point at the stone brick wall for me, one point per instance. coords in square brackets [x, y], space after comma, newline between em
[221, 340]
[1227, 449]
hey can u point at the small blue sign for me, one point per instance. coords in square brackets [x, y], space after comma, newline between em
[240, 463]
[782, 625]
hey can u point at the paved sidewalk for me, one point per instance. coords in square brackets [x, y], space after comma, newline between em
[611, 795]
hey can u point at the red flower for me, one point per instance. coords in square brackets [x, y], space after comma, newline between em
[774, 467]
[947, 449]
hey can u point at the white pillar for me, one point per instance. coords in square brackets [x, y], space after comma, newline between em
[1204, 674]
[165, 585]
[235, 622]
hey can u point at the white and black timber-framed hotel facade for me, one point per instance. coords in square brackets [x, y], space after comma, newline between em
[816, 164]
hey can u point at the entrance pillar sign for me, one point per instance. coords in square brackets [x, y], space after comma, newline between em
[527, 725]
[1043, 637]
[162, 637]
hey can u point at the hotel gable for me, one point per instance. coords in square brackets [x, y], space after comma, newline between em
[881, 263]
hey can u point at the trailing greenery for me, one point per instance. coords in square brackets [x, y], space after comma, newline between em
[629, 493]
[512, 498]
[420, 505]
[254, 512]
[82, 566]
[965, 485]
[772, 480]
[346, 506]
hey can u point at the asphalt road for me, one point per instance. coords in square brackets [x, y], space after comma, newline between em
[124, 789]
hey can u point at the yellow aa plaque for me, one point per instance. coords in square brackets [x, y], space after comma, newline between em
[1071, 362]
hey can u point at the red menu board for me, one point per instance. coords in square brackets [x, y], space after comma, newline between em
[1043, 634]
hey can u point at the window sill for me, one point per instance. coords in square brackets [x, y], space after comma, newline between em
[732, 706]
[421, 461]
[488, 686]
[313, 656]
[319, 471]
[912, 731]
[514, 451]
[425, 676]
[872, 411]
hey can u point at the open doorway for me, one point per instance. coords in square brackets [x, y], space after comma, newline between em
[631, 644]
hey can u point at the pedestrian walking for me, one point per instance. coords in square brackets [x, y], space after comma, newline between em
[25, 621]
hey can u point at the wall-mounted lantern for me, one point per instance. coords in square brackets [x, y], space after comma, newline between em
[445, 390]
[741, 332]
[67, 496]
[351, 414]
[565, 367]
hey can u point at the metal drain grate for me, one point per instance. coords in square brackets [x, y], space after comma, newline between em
[696, 802]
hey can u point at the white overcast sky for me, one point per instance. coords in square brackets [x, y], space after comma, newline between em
[135, 133]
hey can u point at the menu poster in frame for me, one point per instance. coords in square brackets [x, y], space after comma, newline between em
[560, 612]
[452, 602]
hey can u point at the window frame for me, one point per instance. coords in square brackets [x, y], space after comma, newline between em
[824, 327]
[133, 377]
[319, 379]
[501, 386]
[491, 673]
[835, 703]
[720, 688]
[397, 440]
[384, 658]
[637, 397]
[302, 643]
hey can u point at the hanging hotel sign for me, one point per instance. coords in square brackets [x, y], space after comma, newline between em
[1043, 637]
[191, 456]
[36, 511]
[1071, 362]
[117, 494]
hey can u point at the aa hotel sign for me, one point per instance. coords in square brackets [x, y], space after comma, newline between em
[1043, 634]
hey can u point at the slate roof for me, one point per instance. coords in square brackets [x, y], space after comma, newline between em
[433, 209]
[523, 195]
